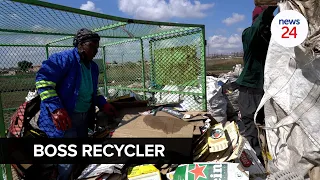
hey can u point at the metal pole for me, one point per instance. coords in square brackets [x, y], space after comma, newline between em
[151, 70]
[105, 71]
[152, 75]
[2, 131]
[3, 135]
[47, 51]
[143, 71]
[204, 73]
[122, 58]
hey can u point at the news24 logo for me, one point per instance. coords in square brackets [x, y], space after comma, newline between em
[289, 28]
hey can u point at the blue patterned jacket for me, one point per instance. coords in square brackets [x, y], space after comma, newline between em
[58, 83]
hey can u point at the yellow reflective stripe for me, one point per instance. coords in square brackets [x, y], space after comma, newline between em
[42, 83]
[47, 94]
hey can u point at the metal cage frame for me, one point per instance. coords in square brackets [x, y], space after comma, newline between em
[117, 32]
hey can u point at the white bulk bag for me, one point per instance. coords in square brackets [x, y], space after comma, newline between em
[291, 101]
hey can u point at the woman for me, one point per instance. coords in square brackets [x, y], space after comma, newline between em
[68, 86]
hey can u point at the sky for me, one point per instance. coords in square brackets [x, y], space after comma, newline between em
[224, 19]
[224, 22]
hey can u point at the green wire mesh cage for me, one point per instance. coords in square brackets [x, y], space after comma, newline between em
[157, 61]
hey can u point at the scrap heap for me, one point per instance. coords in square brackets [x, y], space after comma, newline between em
[216, 146]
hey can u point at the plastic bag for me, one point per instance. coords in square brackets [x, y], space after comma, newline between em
[217, 102]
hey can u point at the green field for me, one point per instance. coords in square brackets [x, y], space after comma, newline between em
[218, 66]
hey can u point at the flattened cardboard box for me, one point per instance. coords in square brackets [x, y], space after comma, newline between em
[148, 126]
[155, 127]
[196, 121]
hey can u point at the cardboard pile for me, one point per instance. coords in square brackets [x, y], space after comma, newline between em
[158, 125]
[214, 144]
[219, 144]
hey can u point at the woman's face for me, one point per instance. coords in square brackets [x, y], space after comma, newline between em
[90, 49]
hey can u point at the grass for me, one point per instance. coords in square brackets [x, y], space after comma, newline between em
[218, 66]
[19, 83]
[127, 74]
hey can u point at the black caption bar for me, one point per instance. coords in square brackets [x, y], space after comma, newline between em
[95, 151]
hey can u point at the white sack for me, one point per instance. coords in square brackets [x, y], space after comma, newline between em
[217, 102]
[291, 100]
[192, 102]
[31, 95]
[167, 98]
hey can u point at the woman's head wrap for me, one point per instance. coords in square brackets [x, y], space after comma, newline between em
[85, 35]
[257, 11]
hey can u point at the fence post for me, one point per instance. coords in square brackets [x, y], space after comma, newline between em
[152, 73]
[143, 71]
[47, 51]
[204, 73]
[3, 135]
[105, 71]
[151, 70]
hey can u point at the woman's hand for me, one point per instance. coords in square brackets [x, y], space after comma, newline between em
[61, 119]
[110, 110]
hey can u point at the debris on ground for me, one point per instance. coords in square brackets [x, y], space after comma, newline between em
[97, 170]
[218, 148]
[219, 151]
